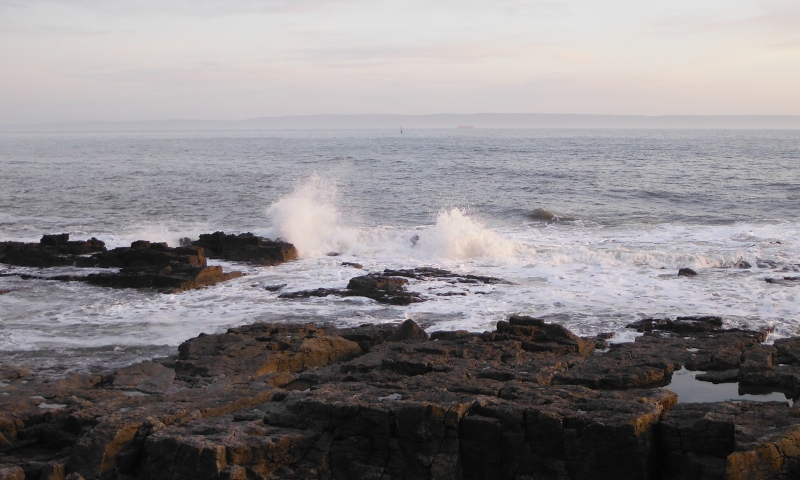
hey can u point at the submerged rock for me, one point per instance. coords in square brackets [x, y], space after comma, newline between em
[528, 400]
[686, 272]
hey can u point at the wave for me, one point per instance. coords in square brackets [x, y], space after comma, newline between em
[308, 218]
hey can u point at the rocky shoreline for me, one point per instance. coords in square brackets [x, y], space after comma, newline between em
[529, 400]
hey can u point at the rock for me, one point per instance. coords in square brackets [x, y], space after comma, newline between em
[246, 247]
[686, 272]
[730, 440]
[788, 281]
[528, 400]
[430, 273]
[12, 473]
[681, 325]
[51, 251]
[548, 216]
[390, 285]
[352, 264]
[142, 265]
[378, 287]
[168, 279]
[409, 330]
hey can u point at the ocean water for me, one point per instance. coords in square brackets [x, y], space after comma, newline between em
[633, 207]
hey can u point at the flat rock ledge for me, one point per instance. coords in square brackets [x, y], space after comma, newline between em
[529, 400]
[389, 286]
[146, 264]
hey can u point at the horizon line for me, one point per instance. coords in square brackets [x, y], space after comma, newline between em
[490, 120]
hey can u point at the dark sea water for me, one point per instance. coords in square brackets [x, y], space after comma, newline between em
[633, 207]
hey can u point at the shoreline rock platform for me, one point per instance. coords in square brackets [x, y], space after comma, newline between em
[529, 400]
[146, 264]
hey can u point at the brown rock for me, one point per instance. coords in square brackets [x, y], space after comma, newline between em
[12, 473]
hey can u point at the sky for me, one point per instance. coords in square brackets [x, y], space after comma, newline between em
[129, 60]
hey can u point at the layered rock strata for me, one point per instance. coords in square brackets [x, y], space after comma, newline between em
[529, 400]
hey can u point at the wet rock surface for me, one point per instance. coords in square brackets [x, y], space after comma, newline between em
[51, 251]
[389, 286]
[246, 247]
[530, 400]
[142, 265]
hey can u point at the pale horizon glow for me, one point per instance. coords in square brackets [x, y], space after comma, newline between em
[129, 60]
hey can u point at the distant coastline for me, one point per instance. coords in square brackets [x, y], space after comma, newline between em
[435, 121]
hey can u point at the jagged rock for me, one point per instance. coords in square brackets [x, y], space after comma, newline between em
[530, 400]
[246, 247]
[142, 265]
[686, 272]
[408, 330]
[51, 251]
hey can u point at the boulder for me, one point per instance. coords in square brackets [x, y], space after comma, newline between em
[246, 247]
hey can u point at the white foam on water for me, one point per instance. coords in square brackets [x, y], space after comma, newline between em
[591, 279]
[309, 219]
[456, 236]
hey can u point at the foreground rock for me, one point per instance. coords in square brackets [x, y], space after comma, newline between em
[142, 265]
[529, 400]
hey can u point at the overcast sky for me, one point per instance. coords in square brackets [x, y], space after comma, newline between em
[211, 59]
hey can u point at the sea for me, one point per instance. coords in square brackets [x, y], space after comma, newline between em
[589, 227]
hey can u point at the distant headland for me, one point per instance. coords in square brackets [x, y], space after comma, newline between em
[434, 121]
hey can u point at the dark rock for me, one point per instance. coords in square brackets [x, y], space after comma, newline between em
[681, 325]
[527, 401]
[51, 251]
[548, 216]
[731, 440]
[430, 273]
[744, 264]
[246, 247]
[789, 281]
[352, 264]
[686, 272]
[274, 288]
[408, 330]
[142, 265]
[381, 288]
[390, 285]
[12, 473]
[723, 376]
[169, 279]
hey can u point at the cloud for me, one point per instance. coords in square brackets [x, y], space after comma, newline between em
[201, 8]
